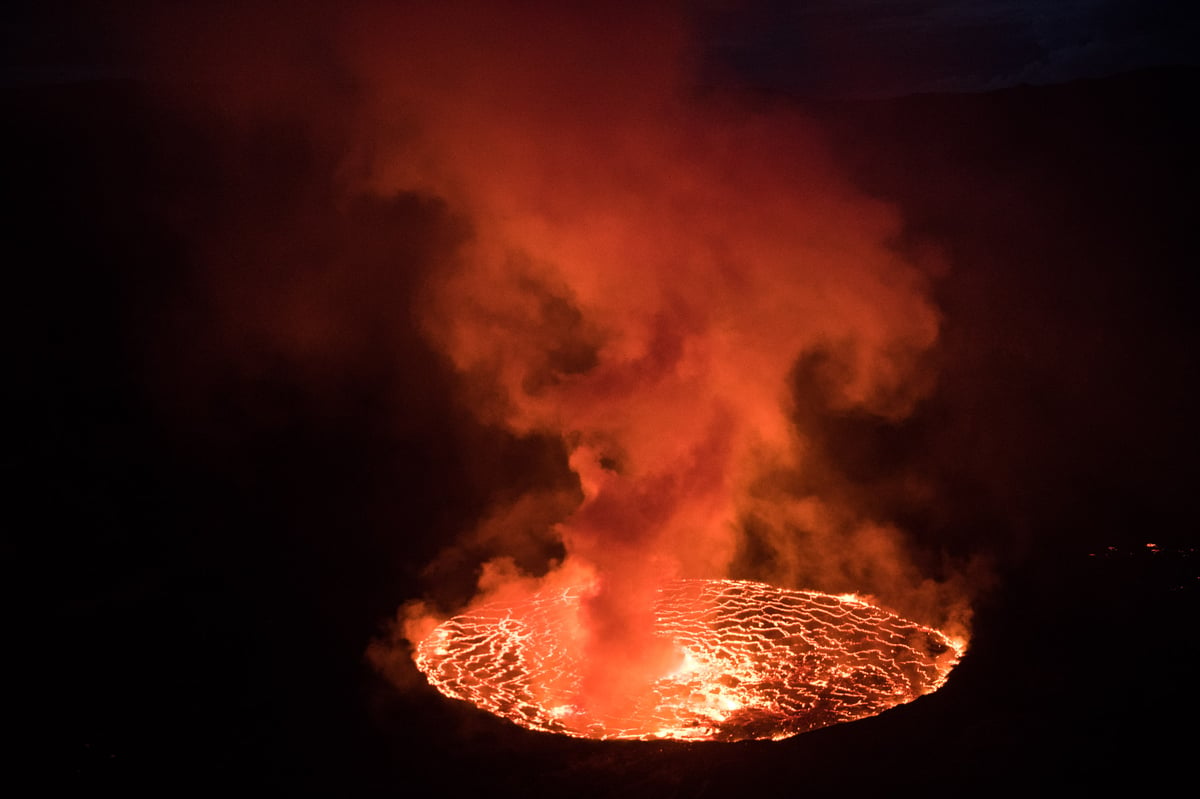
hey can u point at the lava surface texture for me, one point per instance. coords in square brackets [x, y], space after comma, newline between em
[754, 662]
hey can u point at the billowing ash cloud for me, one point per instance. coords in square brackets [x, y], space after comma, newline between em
[651, 274]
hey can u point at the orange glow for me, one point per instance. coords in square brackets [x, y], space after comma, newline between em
[645, 268]
[750, 661]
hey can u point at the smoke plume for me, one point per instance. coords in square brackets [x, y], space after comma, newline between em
[656, 274]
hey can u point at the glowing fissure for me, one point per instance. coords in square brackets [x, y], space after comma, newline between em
[753, 661]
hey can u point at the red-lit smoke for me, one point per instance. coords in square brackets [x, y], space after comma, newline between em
[646, 267]
[646, 262]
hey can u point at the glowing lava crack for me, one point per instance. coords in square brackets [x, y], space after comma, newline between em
[755, 661]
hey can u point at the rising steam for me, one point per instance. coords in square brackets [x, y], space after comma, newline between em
[646, 266]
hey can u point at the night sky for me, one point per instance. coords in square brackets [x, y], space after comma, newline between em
[233, 453]
[862, 47]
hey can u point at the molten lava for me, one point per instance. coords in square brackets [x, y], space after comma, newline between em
[753, 661]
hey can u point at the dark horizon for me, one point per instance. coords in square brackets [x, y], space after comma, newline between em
[831, 49]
